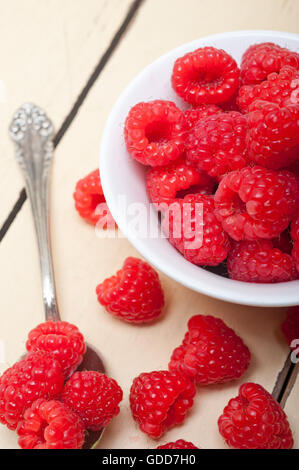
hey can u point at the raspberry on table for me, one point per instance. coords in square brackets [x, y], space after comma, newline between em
[281, 88]
[94, 397]
[165, 184]
[192, 116]
[211, 352]
[179, 444]
[205, 76]
[256, 202]
[39, 375]
[254, 420]
[217, 143]
[193, 229]
[50, 425]
[273, 134]
[290, 326]
[295, 238]
[259, 60]
[258, 261]
[90, 201]
[60, 339]
[160, 400]
[153, 133]
[134, 294]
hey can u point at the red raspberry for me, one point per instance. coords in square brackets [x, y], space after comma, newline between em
[160, 400]
[179, 444]
[217, 143]
[39, 375]
[165, 184]
[211, 352]
[280, 88]
[260, 60]
[258, 261]
[94, 397]
[273, 134]
[290, 326]
[256, 203]
[153, 133]
[205, 76]
[50, 425]
[192, 116]
[254, 420]
[134, 294]
[295, 237]
[60, 339]
[192, 228]
[90, 201]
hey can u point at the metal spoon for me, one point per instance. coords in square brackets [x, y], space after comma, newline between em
[32, 132]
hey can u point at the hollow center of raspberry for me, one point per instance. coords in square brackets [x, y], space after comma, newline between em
[206, 79]
[238, 205]
[96, 199]
[158, 132]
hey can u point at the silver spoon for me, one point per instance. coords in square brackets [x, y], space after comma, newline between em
[32, 132]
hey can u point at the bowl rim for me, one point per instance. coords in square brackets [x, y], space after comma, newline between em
[252, 294]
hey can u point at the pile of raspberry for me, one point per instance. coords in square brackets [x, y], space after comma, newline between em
[46, 401]
[223, 173]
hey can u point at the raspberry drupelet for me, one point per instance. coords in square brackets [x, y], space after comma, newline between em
[211, 352]
[160, 400]
[192, 116]
[290, 326]
[179, 444]
[254, 420]
[205, 76]
[256, 203]
[134, 294]
[50, 425]
[94, 397]
[153, 132]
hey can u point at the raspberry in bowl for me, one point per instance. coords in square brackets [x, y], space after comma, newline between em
[229, 141]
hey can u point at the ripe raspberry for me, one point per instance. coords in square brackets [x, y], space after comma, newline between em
[273, 134]
[205, 76]
[134, 294]
[50, 425]
[153, 133]
[295, 237]
[280, 88]
[90, 201]
[94, 397]
[160, 400]
[166, 183]
[192, 116]
[217, 143]
[60, 339]
[179, 444]
[258, 261]
[211, 352]
[254, 420]
[256, 203]
[290, 326]
[37, 376]
[192, 228]
[260, 60]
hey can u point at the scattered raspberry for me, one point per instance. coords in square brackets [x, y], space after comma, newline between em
[211, 352]
[50, 425]
[94, 397]
[217, 143]
[90, 201]
[290, 326]
[160, 400]
[258, 261]
[166, 183]
[273, 134]
[205, 76]
[37, 376]
[260, 60]
[134, 294]
[179, 444]
[281, 88]
[254, 420]
[153, 133]
[295, 237]
[193, 229]
[256, 203]
[60, 339]
[192, 116]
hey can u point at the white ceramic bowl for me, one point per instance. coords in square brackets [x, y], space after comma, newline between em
[121, 175]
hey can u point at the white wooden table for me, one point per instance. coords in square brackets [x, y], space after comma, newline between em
[74, 57]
